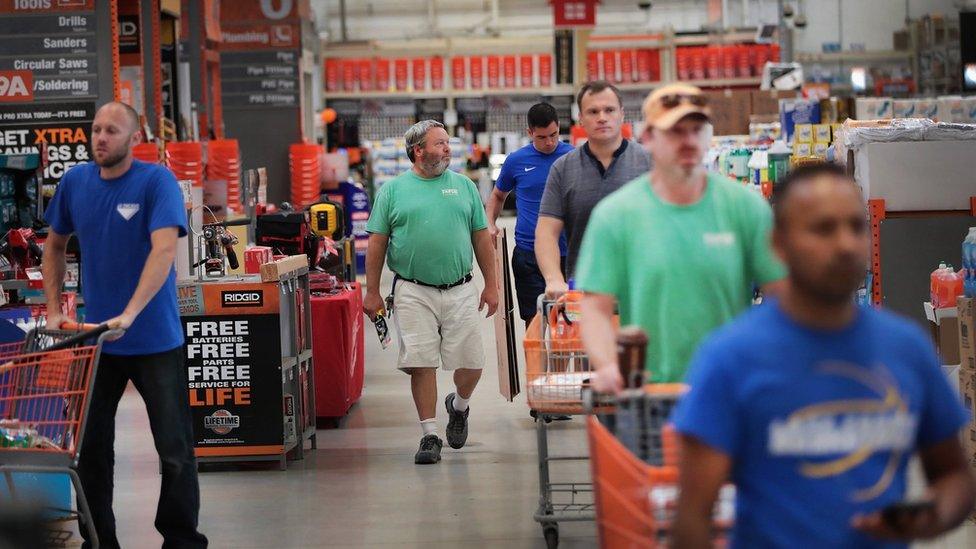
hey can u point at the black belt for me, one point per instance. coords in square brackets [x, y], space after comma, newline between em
[467, 278]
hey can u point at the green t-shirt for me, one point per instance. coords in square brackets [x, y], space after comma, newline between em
[678, 272]
[429, 222]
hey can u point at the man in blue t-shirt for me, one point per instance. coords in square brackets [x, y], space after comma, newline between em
[813, 406]
[525, 171]
[128, 216]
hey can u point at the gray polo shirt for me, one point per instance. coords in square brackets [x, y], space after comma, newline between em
[577, 181]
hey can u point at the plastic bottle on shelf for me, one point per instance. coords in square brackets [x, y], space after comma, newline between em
[969, 263]
[935, 282]
[779, 161]
[953, 286]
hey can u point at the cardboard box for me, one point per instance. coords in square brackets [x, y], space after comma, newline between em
[793, 112]
[802, 149]
[255, 256]
[767, 101]
[820, 149]
[944, 326]
[730, 111]
[272, 272]
[804, 133]
[967, 338]
[821, 133]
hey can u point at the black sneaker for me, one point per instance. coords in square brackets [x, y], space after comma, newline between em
[457, 425]
[430, 450]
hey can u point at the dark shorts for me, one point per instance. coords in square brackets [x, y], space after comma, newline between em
[529, 283]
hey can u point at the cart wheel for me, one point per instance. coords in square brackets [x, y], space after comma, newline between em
[551, 533]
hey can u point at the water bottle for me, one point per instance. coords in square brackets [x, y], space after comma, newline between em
[969, 263]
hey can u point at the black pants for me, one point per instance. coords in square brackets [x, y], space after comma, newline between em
[161, 380]
[529, 282]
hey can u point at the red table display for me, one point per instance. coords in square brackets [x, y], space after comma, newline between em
[338, 351]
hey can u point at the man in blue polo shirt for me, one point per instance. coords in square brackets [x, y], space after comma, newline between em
[128, 216]
[525, 171]
[813, 407]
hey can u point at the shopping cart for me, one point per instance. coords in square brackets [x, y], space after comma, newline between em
[557, 373]
[634, 466]
[45, 386]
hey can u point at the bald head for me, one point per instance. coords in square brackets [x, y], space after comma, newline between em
[132, 117]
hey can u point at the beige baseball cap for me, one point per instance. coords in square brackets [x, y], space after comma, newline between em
[665, 106]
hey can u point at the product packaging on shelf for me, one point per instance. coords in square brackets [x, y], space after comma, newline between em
[797, 111]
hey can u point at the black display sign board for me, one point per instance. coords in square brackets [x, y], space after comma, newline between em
[65, 128]
[259, 78]
[234, 386]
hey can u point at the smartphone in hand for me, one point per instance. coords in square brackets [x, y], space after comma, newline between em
[903, 513]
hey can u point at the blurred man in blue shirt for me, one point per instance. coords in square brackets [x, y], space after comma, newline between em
[525, 171]
[813, 406]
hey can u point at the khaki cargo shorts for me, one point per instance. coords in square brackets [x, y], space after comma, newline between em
[438, 328]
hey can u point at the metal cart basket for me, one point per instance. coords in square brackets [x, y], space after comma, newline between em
[634, 464]
[45, 387]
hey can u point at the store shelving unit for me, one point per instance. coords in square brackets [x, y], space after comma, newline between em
[936, 61]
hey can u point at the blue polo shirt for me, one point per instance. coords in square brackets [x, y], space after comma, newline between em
[114, 220]
[525, 171]
[820, 425]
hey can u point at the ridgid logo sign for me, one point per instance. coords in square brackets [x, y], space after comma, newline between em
[245, 298]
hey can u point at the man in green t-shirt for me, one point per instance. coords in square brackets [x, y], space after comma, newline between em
[679, 250]
[428, 223]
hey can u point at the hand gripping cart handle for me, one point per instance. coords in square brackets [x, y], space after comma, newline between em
[45, 391]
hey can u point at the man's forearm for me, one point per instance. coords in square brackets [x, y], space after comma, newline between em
[599, 338]
[155, 272]
[485, 253]
[53, 269]
[494, 206]
[954, 494]
[375, 255]
[692, 531]
[547, 256]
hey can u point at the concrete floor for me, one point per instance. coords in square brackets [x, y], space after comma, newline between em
[361, 488]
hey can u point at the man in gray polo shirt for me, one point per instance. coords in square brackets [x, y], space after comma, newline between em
[581, 178]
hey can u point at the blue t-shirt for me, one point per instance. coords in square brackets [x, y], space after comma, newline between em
[820, 425]
[114, 220]
[525, 171]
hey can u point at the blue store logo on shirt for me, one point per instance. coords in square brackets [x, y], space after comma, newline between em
[854, 429]
[127, 210]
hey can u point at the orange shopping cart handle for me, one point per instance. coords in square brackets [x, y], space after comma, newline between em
[73, 326]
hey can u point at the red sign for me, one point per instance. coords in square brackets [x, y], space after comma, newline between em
[545, 70]
[508, 71]
[40, 6]
[383, 74]
[476, 66]
[574, 13]
[366, 75]
[250, 37]
[420, 74]
[437, 73]
[527, 70]
[494, 71]
[457, 72]
[16, 86]
[400, 73]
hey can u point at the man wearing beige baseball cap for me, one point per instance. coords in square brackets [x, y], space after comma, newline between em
[679, 249]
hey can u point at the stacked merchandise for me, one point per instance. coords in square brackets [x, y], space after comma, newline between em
[814, 140]
[724, 62]
[947, 108]
[223, 163]
[19, 191]
[146, 152]
[624, 66]
[186, 161]
[304, 161]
